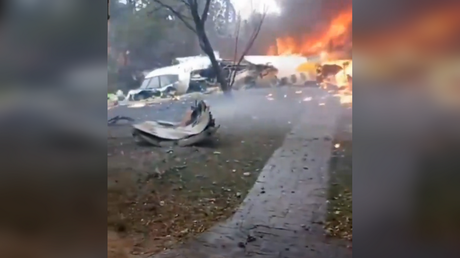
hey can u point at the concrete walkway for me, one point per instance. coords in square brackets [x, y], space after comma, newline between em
[282, 215]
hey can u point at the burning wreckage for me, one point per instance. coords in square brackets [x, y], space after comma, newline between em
[198, 124]
[195, 74]
[299, 70]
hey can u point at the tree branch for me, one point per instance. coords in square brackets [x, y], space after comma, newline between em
[253, 37]
[193, 4]
[177, 14]
[204, 16]
[196, 17]
[157, 9]
[185, 2]
[251, 41]
[237, 38]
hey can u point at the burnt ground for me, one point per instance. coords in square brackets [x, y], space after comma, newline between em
[158, 197]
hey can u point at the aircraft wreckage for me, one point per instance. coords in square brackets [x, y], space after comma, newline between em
[195, 74]
[197, 125]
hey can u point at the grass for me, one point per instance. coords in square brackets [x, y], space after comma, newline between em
[339, 221]
[160, 197]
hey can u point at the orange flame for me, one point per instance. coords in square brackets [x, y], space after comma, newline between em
[336, 33]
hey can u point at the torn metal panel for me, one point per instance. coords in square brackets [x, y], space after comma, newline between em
[197, 126]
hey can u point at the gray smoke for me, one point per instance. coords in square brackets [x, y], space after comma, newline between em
[259, 110]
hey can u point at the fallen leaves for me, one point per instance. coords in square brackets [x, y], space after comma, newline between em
[170, 195]
[339, 218]
[340, 222]
[177, 193]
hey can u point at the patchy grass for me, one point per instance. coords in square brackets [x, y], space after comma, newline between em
[339, 218]
[160, 197]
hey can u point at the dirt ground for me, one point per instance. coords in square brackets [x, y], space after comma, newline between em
[158, 197]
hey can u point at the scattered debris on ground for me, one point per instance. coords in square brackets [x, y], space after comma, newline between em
[162, 196]
[114, 101]
[339, 218]
[159, 197]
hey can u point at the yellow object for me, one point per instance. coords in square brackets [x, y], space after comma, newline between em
[309, 70]
[307, 67]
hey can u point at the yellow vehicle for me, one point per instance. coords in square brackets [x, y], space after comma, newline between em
[337, 72]
[309, 70]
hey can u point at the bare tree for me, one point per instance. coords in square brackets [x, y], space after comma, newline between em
[256, 21]
[194, 16]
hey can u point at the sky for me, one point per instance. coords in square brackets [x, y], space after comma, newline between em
[246, 7]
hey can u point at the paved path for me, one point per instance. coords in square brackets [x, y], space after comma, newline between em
[281, 216]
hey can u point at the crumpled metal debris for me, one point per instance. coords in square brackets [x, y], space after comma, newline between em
[197, 125]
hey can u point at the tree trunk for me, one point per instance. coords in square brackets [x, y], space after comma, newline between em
[209, 51]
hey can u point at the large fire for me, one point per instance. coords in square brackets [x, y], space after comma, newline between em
[335, 37]
[336, 34]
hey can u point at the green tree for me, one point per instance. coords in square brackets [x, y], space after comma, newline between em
[151, 34]
[194, 15]
[133, 29]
